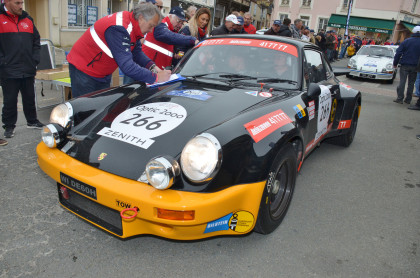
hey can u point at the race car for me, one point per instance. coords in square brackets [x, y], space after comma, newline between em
[373, 62]
[214, 151]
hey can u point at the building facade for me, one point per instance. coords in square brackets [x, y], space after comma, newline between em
[381, 20]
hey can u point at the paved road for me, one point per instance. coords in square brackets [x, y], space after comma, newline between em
[355, 213]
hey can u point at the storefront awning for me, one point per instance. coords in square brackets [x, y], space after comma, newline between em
[409, 26]
[362, 24]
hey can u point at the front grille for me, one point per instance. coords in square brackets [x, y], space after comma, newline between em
[101, 215]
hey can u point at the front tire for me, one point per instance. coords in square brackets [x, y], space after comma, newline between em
[278, 191]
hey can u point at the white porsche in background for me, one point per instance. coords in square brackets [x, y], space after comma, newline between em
[373, 62]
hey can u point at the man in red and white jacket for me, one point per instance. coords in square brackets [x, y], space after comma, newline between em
[19, 55]
[114, 41]
[159, 44]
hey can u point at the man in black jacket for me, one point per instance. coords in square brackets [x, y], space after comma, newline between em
[275, 28]
[227, 27]
[285, 28]
[19, 56]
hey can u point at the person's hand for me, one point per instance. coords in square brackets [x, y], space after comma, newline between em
[163, 75]
[196, 41]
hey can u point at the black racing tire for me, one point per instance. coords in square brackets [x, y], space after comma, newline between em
[346, 139]
[278, 191]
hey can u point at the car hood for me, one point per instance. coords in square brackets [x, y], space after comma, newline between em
[372, 63]
[124, 128]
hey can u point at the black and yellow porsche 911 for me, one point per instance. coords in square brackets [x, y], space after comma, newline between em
[215, 151]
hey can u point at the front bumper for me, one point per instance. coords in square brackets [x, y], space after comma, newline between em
[115, 193]
[371, 74]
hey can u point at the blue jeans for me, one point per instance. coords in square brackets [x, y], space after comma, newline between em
[82, 84]
[343, 51]
[417, 85]
[406, 72]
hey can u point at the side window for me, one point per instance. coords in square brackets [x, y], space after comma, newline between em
[315, 71]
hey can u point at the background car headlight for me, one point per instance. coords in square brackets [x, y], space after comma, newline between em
[61, 114]
[201, 158]
[352, 64]
[161, 172]
[389, 67]
[52, 135]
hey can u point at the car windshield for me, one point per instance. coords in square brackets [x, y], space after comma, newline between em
[243, 60]
[376, 51]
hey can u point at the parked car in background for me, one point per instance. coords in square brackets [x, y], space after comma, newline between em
[262, 31]
[373, 62]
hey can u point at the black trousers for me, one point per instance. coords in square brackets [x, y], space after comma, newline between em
[11, 88]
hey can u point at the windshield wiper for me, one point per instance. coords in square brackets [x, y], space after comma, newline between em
[237, 76]
[277, 80]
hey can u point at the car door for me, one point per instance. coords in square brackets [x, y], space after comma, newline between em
[321, 107]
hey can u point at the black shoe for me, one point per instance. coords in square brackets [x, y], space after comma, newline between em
[400, 101]
[407, 101]
[37, 125]
[3, 142]
[414, 107]
[9, 132]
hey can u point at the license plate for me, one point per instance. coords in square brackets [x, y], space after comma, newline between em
[367, 75]
[78, 186]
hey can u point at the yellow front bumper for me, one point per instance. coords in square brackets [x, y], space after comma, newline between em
[212, 210]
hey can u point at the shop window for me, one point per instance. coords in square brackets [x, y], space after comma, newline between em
[82, 13]
[322, 24]
[306, 3]
[219, 15]
[282, 17]
[305, 20]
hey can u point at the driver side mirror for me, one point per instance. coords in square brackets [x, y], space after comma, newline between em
[314, 90]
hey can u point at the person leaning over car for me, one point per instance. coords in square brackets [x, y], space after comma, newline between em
[248, 27]
[407, 55]
[275, 28]
[198, 27]
[227, 27]
[112, 42]
[239, 28]
[159, 44]
[296, 28]
[19, 55]
[285, 28]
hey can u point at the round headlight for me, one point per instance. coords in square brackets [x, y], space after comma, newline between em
[389, 67]
[201, 158]
[48, 136]
[161, 172]
[61, 114]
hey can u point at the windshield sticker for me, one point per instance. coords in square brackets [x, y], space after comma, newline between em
[279, 46]
[265, 94]
[194, 94]
[300, 111]
[267, 124]
[252, 93]
[240, 221]
[324, 109]
[138, 125]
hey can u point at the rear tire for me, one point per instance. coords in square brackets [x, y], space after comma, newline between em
[346, 139]
[278, 191]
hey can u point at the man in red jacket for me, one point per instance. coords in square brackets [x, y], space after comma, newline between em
[114, 41]
[159, 44]
[19, 56]
[248, 27]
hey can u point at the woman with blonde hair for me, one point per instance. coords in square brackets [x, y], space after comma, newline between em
[198, 27]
